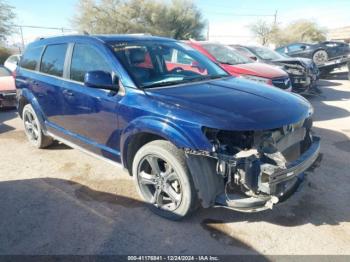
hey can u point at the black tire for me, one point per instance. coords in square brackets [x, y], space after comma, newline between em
[320, 57]
[32, 128]
[167, 156]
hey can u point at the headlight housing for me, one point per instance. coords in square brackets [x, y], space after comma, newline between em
[258, 79]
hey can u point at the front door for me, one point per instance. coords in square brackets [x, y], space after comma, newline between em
[89, 115]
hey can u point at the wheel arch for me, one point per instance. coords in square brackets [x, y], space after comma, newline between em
[146, 129]
[321, 48]
[27, 97]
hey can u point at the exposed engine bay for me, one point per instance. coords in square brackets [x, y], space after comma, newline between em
[257, 168]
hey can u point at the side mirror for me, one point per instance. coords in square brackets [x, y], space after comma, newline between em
[253, 57]
[101, 80]
[303, 47]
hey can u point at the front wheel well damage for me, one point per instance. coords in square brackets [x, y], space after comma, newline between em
[136, 142]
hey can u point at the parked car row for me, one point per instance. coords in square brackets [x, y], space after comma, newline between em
[191, 134]
[302, 71]
[241, 66]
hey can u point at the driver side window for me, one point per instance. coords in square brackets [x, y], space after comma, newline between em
[295, 48]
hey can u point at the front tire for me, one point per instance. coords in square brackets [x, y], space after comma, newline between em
[163, 180]
[320, 57]
[33, 129]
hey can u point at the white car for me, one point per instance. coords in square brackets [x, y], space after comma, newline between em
[12, 62]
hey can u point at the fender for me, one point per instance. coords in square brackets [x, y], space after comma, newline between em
[157, 126]
[28, 95]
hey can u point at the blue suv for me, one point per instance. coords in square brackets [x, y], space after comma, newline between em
[190, 134]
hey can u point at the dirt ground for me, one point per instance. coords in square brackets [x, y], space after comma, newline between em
[61, 201]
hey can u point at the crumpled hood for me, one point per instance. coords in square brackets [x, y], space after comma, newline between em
[232, 104]
[255, 69]
[303, 61]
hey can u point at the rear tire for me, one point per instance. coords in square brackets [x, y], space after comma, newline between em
[163, 180]
[33, 129]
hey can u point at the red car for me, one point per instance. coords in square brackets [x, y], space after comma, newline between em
[7, 88]
[238, 65]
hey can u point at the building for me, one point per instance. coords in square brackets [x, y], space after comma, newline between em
[340, 34]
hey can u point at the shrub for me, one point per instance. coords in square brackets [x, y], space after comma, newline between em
[4, 54]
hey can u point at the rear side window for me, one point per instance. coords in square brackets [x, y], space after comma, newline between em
[86, 58]
[31, 58]
[52, 62]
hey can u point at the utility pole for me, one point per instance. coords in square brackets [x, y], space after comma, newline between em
[208, 32]
[22, 37]
[275, 20]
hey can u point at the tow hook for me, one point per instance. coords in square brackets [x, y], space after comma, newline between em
[273, 200]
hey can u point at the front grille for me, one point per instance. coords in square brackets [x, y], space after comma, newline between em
[283, 83]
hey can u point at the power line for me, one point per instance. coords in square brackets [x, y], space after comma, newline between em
[44, 27]
[233, 14]
[62, 29]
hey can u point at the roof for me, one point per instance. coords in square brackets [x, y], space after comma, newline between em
[99, 38]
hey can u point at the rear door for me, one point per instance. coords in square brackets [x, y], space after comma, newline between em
[90, 114]
[47, 85]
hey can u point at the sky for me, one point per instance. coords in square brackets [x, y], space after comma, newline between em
[228, 20]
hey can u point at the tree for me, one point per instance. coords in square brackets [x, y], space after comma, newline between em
[302, 31]
[180, 19]
[264, 31]
[6, 19]
[297, 31]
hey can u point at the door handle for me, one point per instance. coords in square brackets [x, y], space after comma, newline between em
[67, 93]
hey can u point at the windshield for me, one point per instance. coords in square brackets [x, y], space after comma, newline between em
[267, 54]
[161, 63]
[226, 55]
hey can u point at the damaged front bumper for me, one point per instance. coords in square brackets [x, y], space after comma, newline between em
[280, 184]
[251, 171]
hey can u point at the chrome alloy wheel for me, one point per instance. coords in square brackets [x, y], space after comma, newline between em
[320, 57]
[158, 182]
[31, 125]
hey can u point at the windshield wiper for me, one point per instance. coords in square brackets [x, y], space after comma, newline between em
[185, 80]
[167, 83]
[201, 78]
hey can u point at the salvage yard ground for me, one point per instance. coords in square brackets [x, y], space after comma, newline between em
[61, 201]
